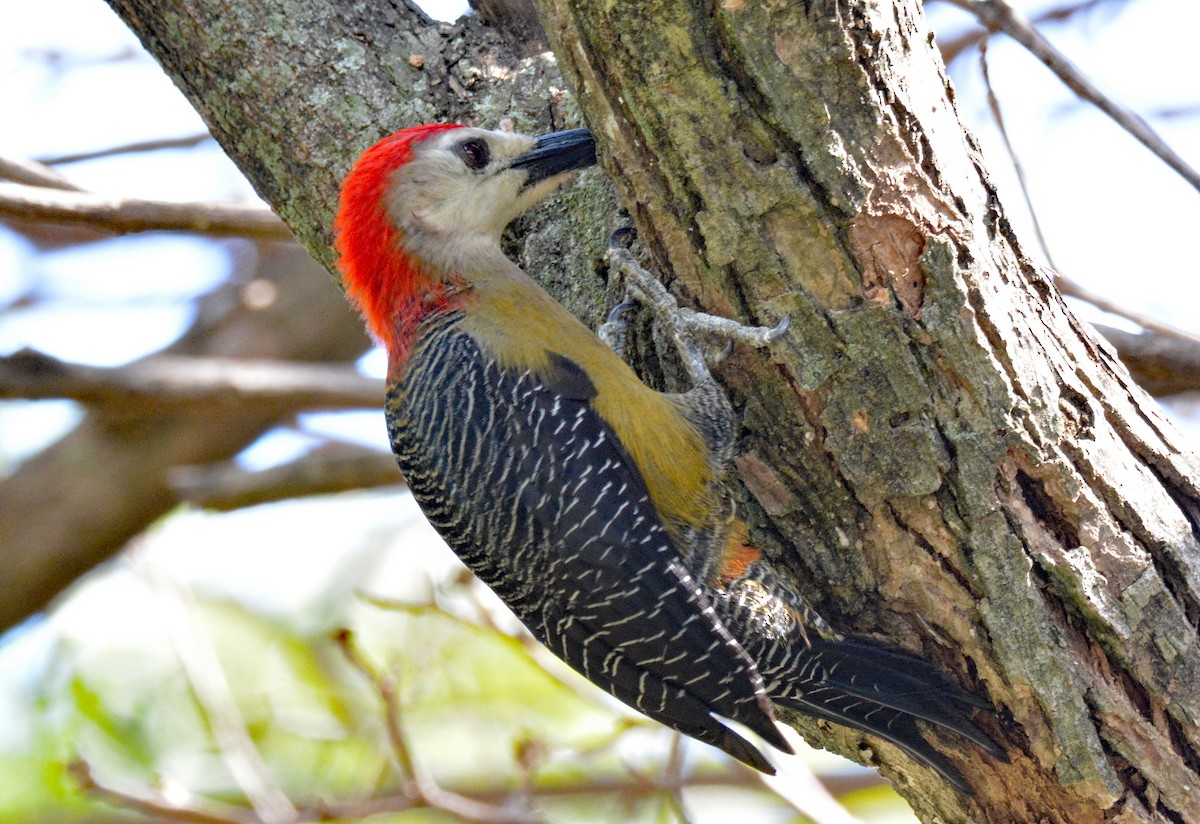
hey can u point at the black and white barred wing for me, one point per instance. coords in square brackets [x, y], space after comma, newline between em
[547, 507]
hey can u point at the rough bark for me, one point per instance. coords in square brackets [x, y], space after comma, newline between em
[943, 452]
[940, 451]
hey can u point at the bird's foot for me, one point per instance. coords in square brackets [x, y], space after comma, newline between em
[685, 325]
[615, 329]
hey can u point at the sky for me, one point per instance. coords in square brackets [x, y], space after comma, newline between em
[1112, 213]
[1116, 219]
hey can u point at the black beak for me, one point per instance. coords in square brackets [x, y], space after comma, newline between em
[556, 153]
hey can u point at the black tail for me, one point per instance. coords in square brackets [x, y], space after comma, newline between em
[882, 691]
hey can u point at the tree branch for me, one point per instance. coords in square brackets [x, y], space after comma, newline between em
[33, 173]
[164, 381]
[1065, 284]
[186, 142]
[77, 502]
[199, 812]
[999, 16]
[206, 811]
[951, 49]
[125, 215]
[418, 783]
[336, 468]
[1074, 289]
[1161, 364]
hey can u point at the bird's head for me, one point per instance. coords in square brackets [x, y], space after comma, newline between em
[418, 204]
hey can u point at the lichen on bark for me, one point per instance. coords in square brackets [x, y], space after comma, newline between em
[949, 457]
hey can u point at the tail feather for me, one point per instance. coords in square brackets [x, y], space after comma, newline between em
[883, 691]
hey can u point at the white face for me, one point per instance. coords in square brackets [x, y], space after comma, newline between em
[460, 182]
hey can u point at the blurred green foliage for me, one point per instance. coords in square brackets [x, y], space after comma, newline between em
[485, 712]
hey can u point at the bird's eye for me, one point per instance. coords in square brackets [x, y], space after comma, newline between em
[474, 153]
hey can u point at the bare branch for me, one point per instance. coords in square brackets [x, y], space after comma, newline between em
[952, 48]
[81, 771]
[32, 173]
[77, 502]
[419, 785]
[206, 811]
[386, 687]
[164, 381]
[124, 215]
[1077, 290]
[225, 487]
[1065, 284]
[999, 16]
[997, 115]
[1160, 364]
[186, 142]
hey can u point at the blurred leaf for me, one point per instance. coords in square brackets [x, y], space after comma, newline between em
[878, 805]
[472, 697]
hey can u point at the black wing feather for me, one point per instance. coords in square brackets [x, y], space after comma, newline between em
[532, 489]
[883, 691]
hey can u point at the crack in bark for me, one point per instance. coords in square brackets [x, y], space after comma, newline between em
[929, 549]
[997, 348]
[1048, 514]
[758, 105]
[1170, 568]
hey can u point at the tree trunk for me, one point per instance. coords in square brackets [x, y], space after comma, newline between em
[942, 454]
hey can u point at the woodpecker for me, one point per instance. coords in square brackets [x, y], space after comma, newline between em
[590, 503]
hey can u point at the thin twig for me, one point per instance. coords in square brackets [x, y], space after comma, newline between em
[32, 173]
[419, 785]
[203, 669]
[994, 105]
[154, 808]
[186, 142]
[163, 381]
[117, 215]
[207, 811]
[385, 686]
[953, 47]
[1077, 290]
[999, 16]
[1065, 284]
[672, 777]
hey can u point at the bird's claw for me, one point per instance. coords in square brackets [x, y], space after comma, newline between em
[622, 238]
[618, 312]
[685, 324]
[615, 329]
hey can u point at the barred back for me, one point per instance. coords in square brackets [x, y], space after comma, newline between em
[528, 484]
